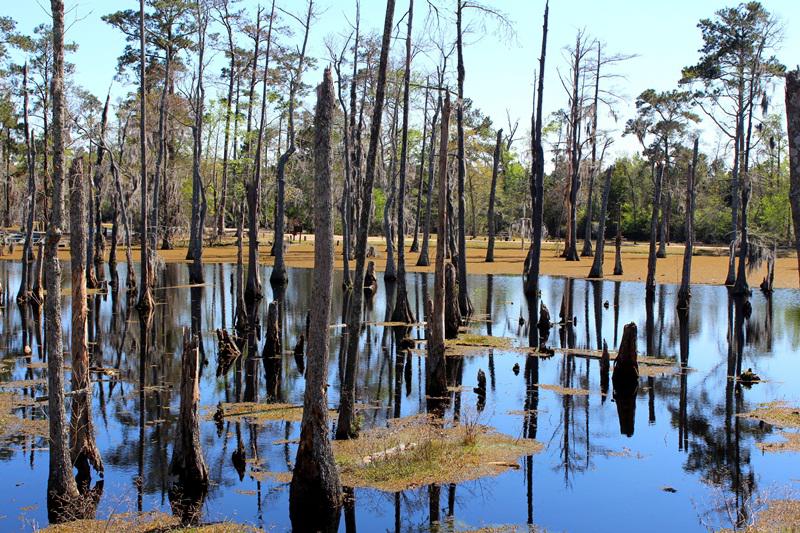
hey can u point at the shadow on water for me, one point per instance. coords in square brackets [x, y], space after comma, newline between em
[590, 442]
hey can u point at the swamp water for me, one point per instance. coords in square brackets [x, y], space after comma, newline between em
[681, 460]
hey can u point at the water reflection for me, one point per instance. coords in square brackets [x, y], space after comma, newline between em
[137, 369]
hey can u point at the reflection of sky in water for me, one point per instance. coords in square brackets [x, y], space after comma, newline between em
[575, 481]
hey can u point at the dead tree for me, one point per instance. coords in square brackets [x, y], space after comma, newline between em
[402, 311]
[423, 259]
[685, 291]
[769, 280]
[793, 131]
[597, 263]
[187, 469]
[30, 204]
[492, 192]
[83, 448]
[98, 245]
[587, 231]
[618, 244]
[435, 368]
[345, 427]
[415, 242]
[278, 275]
[537, 175]
[315, 496]
[61, 488]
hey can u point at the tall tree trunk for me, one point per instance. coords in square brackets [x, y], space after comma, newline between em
[83, 448]
[421, 174]
[61, 488]
[345, 428]
[685, 290]
[30, 146]
[737, 156]
[402, 311]
[162, 153]
[278, 275]
[199, 200]
[597, 264]
[587, 228]
[651, 257]
[390, 269]
[226, 142]
[435, 368]
[253, 188]
[423, 259]
[99, 175]
[145, 303]
[490, 214]
[315, 496]
[464, 302]
[537, 186]
[793, 130]
[571, 243]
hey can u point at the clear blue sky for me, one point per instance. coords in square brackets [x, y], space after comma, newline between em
[499, 71]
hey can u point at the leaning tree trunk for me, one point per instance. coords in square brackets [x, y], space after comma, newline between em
[423, 259]
[435, 368]
[618, 244]
[61, 488]
[402, 311]
[651, 257]
[345, 427]
[315, 495]
[490, 214]
[83, 448]
[597, 264]
[464, 303]
[793, 130]
[685, 290]
[187, 470]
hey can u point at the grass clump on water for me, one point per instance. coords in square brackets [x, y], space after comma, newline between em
[420, 450]
[152, 522]
[12, 425]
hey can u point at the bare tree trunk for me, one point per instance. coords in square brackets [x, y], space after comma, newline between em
[226, 142]
[187, 469]
[435, 368]
[241, 309]
[531, 288]
[597, 264]
[62, 491]
[464, 302]
[651, 257]
[199, 200]
[490, 214]
[402, 311]
[278, 275]
[99, 175]
[685, 290]
[83, 448]
[30, 145]
[345, 427]
[618, 244]
[390, 269]
[423, 259]
[37, 292]
[793, 130]
[315, 496]
[145, 303]
[415, 242]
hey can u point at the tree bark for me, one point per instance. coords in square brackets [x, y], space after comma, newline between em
[651, 257]
[83, 448]
[145, 303]
[30, 145]
[187, 469]
[345, 427]
[402, 311]
[315, 496]
[61, 488]
[793, 131]
[685, 290]
[597, 265]
[492, 191]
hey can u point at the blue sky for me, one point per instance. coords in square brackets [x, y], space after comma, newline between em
[499, 70]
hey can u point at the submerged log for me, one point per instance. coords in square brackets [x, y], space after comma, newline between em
[626, 365]
[227, 352]
[452, 313]
[370, 281]
[188, 471]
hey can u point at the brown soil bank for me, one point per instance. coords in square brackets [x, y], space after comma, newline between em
[709, 265]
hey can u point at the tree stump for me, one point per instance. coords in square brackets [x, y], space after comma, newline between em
[227, 352]
[370, 281]
[272, 352]
[626, 365]
[187, 470]
[543, 326]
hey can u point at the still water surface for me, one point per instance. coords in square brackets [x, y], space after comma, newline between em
[591, 476]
